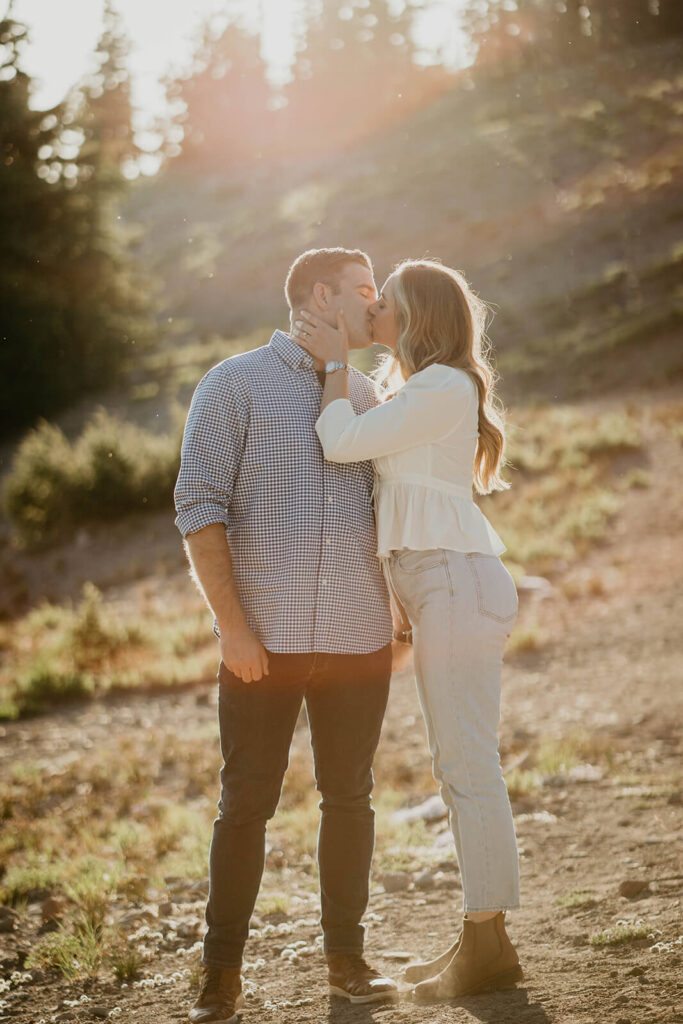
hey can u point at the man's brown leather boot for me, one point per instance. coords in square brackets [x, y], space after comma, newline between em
[485, 960]
[220, 996]
[354, 979]
[430, 968]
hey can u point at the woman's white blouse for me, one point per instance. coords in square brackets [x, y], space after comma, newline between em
[422, 442]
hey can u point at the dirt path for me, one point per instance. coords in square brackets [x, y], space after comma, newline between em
[575, 835]
[609, 672]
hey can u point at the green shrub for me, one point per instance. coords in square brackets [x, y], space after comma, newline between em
[94, 633]
[112, 469]
[125, 960]
[621, 933]
[23, 882]
[40, 487]
[42, 687]
[76, 954]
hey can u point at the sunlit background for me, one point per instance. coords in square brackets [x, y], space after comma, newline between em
[164, 37]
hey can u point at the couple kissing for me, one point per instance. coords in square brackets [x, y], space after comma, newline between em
[327, 515]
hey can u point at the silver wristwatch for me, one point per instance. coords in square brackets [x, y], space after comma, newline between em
[334, 364]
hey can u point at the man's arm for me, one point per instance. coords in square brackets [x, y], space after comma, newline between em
[208, 553]
[213, 443]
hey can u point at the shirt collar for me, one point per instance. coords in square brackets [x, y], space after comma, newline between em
[290, 352]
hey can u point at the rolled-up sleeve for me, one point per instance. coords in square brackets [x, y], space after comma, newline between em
[213, 443]
[427, 408]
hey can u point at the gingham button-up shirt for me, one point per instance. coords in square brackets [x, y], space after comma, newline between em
[301, 530]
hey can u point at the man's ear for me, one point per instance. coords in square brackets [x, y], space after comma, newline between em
[321, 296]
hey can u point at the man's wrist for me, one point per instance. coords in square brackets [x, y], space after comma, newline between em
[232, 625]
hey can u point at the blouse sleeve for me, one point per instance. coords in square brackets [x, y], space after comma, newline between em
[430, 405]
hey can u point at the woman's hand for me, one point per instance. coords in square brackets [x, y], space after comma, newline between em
[321, 340]
[401, 656]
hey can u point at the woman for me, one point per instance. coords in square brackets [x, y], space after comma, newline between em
[437, 436]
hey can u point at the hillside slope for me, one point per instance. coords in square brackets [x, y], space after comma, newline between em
[591, 748]
[559, 197]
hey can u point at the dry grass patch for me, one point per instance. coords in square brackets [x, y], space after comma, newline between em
[525, 639]
[577, 899]
[564, 493]
[621, 934]
[60, 654]
[76, 951]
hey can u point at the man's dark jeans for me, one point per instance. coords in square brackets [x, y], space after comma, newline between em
[346, 697]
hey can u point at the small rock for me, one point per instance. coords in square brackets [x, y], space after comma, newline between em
[8, 919]
[101, 1012]
[635, 972]
[395, 881]
[276, 860]
[194, 789]
[188, 929]
[399, 955]
[433, 809]
[51, 910]
[521, 761]
[165, 909]
[425, 880]
[133, 917]
[585, 773]
[631, 888]
[444, 881]
[536, 584]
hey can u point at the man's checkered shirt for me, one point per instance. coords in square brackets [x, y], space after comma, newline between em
[301, 530]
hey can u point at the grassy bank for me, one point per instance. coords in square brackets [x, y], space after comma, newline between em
[570, 470]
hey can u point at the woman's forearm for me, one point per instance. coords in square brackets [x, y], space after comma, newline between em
[336, 386]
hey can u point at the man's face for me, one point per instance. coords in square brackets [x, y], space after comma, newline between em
[356, 294]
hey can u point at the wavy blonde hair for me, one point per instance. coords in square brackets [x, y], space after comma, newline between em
[441, 320]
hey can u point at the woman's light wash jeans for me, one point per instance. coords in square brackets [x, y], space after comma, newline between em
[462, 608]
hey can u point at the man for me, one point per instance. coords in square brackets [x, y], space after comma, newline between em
[282, 545]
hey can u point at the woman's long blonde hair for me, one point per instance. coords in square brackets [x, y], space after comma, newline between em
[441, 320]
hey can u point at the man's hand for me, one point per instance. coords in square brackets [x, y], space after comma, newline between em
[242, 653]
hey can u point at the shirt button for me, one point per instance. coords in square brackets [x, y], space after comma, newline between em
[330, 500]
[328, 541]
[324, 582]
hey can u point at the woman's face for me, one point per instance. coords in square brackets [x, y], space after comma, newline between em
[382, 313]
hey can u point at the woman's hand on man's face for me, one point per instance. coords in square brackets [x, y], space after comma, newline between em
[321, 340]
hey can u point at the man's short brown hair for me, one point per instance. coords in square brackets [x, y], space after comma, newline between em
[325, 265]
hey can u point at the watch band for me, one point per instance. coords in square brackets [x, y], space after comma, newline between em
[334, 365]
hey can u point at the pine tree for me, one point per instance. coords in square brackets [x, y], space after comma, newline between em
[539, 34]
[532, 34]
[104, 110]
[33, 335]
[355, 73]
[224, 102]
[70, 310]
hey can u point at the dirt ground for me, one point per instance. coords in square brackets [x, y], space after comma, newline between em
[609, 668]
